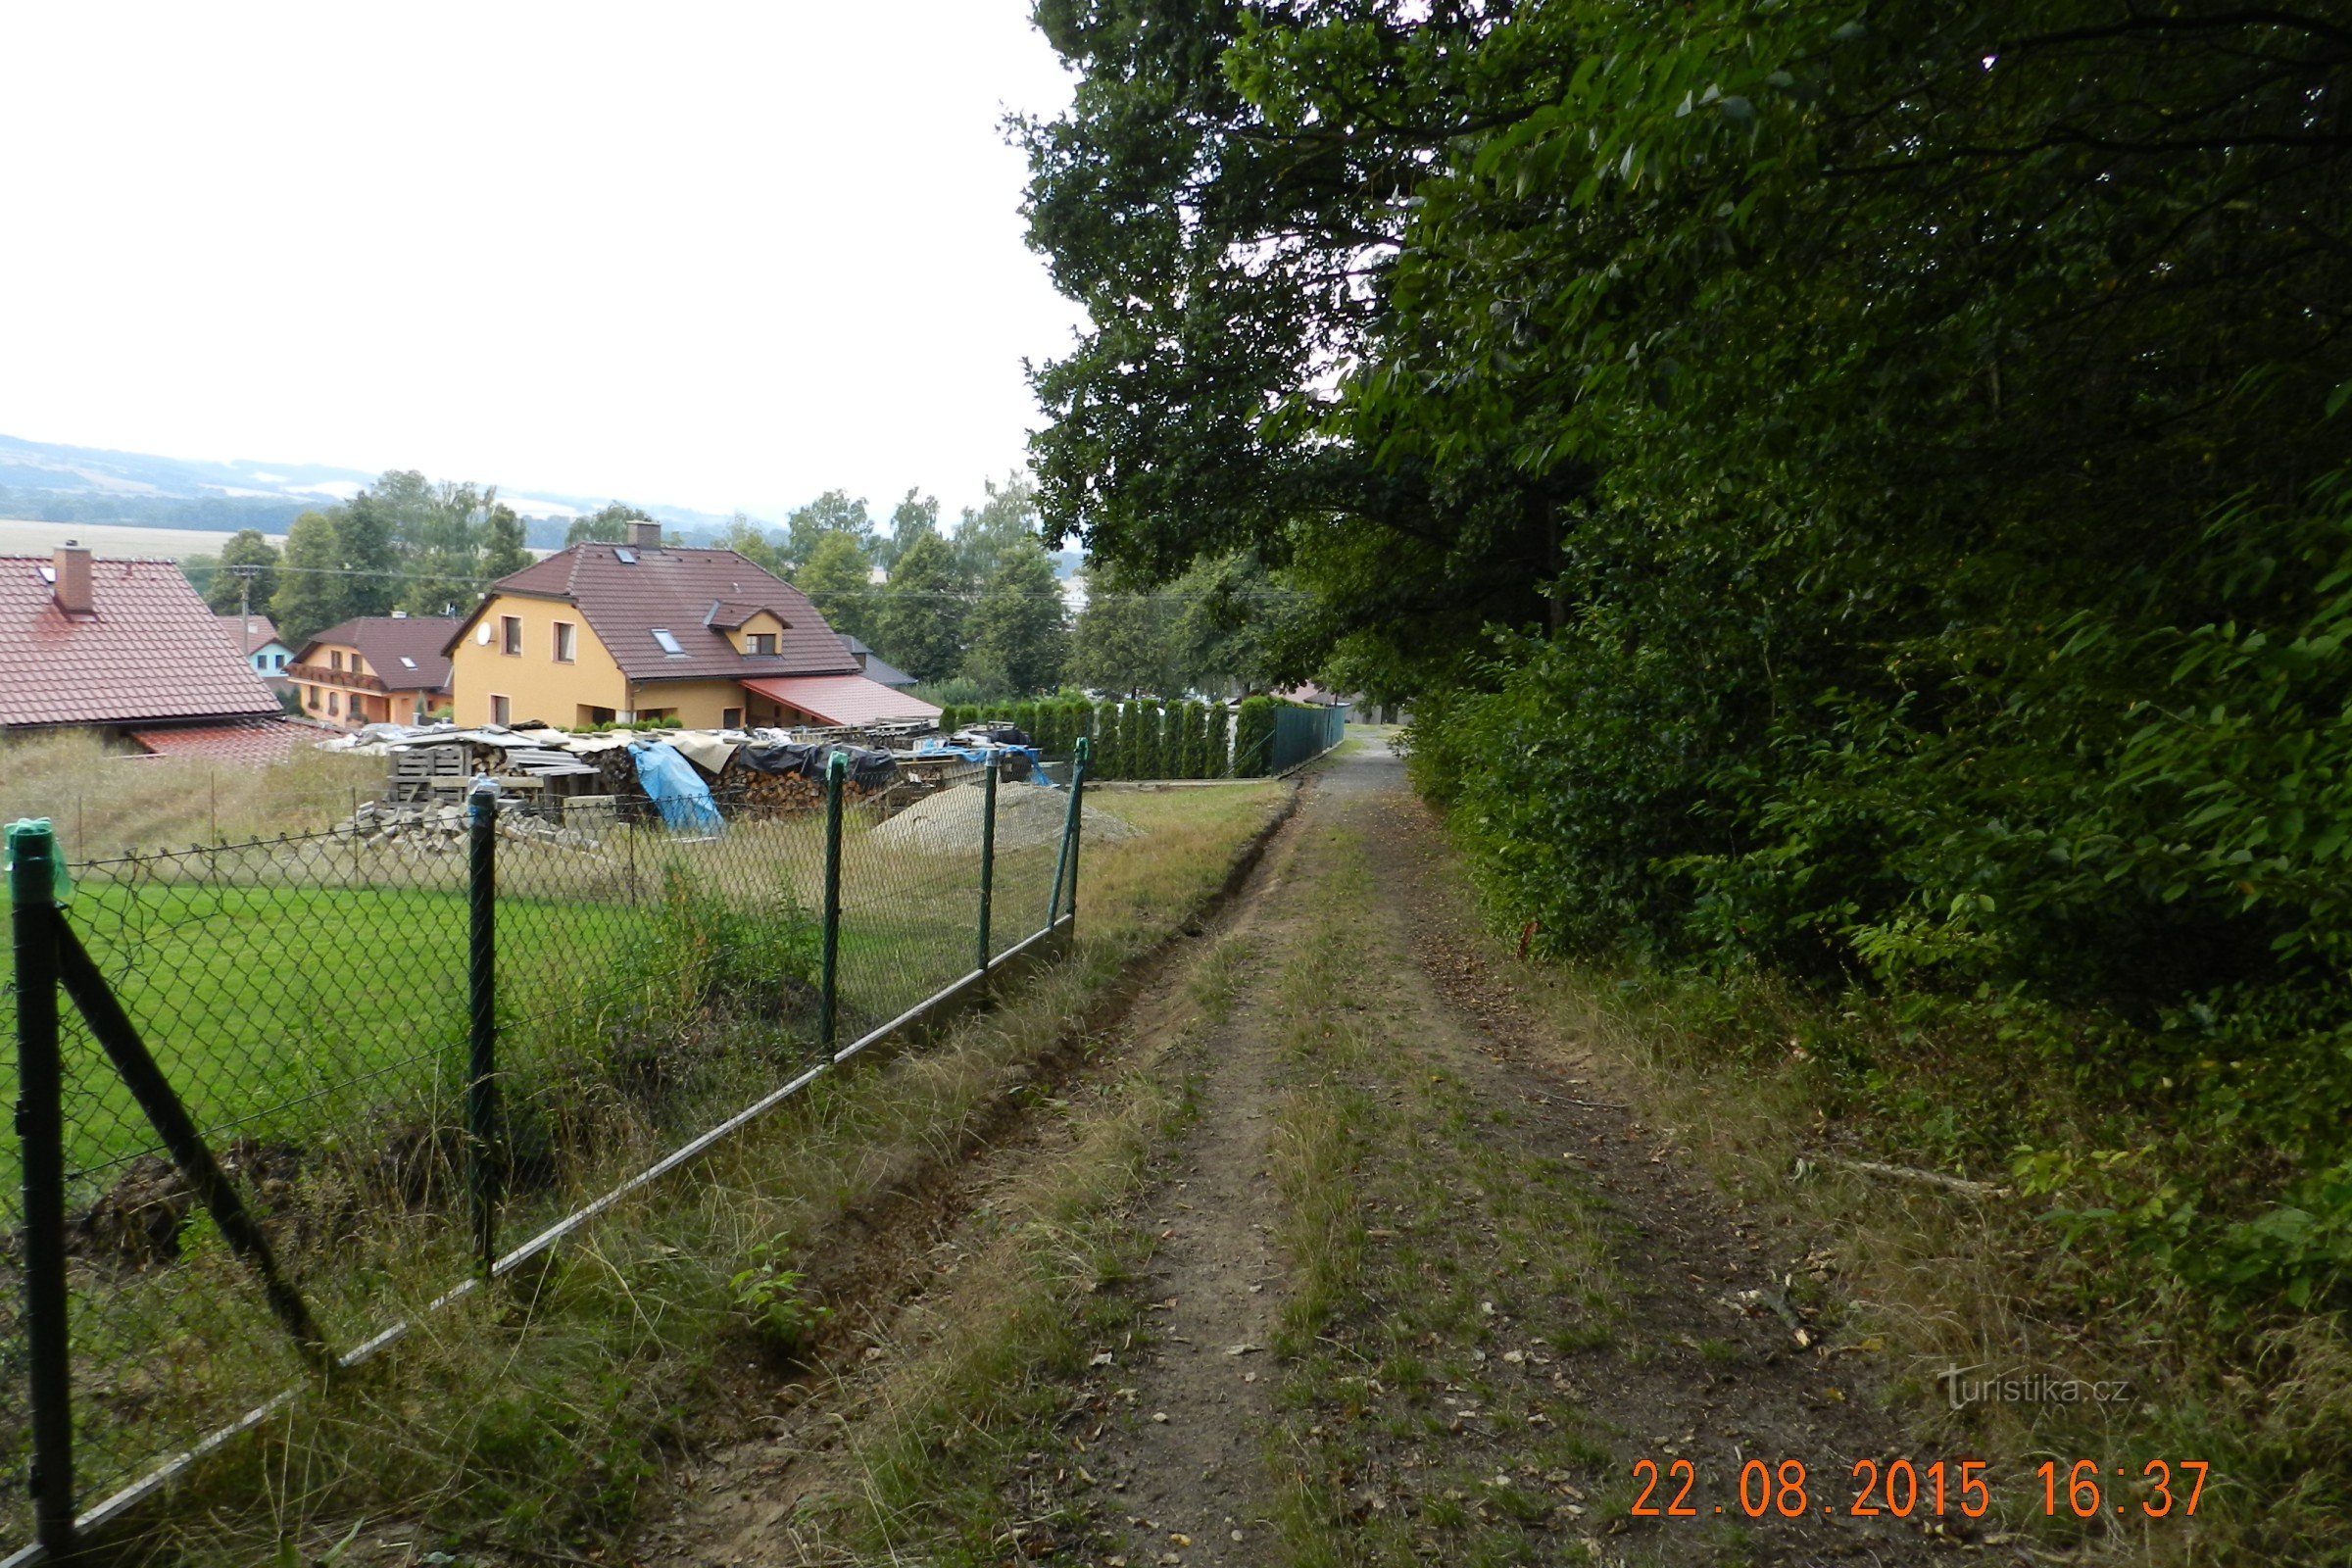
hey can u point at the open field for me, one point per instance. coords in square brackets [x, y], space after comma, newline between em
[24, 536]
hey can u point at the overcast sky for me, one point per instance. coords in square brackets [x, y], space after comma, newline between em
[709, 255]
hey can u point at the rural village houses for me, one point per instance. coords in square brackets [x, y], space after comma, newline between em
[605, 633]
[257, 636]
[126, 648]
[375, 670]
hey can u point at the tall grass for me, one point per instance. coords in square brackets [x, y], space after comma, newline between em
[107, 799]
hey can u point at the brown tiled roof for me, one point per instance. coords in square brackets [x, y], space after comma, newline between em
[150, 650]
[675, 590]
[386, 640]
[251, 633]
[242, 740]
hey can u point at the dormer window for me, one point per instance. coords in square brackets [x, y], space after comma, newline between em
[759, 642]
[669, 644]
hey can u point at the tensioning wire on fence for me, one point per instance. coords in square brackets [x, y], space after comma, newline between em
[303, 1090]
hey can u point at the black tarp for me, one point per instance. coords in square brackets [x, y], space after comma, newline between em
[868, 770]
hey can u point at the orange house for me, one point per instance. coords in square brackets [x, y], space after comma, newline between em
[703, 639]
[375, 670]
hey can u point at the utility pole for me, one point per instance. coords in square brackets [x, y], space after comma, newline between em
[245, 576]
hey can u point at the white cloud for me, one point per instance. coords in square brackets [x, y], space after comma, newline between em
[716, 255]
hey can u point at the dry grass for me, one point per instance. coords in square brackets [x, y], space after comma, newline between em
[108, 799]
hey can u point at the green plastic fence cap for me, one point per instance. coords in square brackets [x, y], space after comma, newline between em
[60, 886]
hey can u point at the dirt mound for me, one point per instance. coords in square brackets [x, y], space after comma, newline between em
[1027, 816]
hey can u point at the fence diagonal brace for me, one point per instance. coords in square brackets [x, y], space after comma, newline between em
[112, 1026]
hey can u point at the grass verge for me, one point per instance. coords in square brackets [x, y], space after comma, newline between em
[1445, 1279]
[1779, 1093]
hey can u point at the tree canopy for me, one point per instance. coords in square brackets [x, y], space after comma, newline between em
[607, 524]
[254, 584]
[920, 621]
[1019, 627]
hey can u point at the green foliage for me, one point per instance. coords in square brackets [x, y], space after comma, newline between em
[919, 620]
[757, 544]
[1855, 496]
[914, 517]
[1135, 746]
[835, 575]
[1126, 642]
[1111, 758]
[310, 595]
[1003, 528]
[1019, 638]
[607, 524]
[1194, 755]
[774, 1303]
[404, 543]
[1218, 742]
[832, 515]
[224, 589]
[1254, 737]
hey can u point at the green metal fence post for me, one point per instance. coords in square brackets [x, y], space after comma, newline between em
[40, 1135]
[176, 1130]
[988, 850]
[837, 770]
[482, 1152]
[1077, 828]
[1065, 864]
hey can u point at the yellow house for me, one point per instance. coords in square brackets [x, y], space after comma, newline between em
[704, 639]
[375, 670]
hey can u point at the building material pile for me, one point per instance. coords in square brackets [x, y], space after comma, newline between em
[1028, 816]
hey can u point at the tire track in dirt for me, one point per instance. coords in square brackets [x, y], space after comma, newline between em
[1708, 1362]
[929, 1243]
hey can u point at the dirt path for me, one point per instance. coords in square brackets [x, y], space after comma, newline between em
[1380, 1272]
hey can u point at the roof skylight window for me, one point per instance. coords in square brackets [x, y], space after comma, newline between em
[669, 644]
[625, 556]
[405, 663]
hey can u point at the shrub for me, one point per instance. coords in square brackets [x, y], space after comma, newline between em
[1254, 737]
[1111, 758]
[1218, 736]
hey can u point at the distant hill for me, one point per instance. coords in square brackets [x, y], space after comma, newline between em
[49, 483]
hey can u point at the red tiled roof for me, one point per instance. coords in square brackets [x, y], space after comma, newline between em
[251, 633]
[386, 640]
[843, 699]
[675, 590]
[150, 650]
[244, 740]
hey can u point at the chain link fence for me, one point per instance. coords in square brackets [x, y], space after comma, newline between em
[277, 1098]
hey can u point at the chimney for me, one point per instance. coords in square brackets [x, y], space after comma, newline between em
[71, 565]
[645, 535]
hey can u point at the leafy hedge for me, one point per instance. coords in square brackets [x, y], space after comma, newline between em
[1142, 739]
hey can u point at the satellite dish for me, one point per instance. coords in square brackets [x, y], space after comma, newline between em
[481, 634]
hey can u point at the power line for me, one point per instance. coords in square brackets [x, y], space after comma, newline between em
[873, 590]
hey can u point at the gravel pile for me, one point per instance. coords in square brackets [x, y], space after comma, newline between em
[1027, 816]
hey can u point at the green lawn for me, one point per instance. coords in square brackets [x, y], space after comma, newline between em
[281, 1010]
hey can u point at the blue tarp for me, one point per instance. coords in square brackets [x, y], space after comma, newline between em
[677, 789]
[1028, 769]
